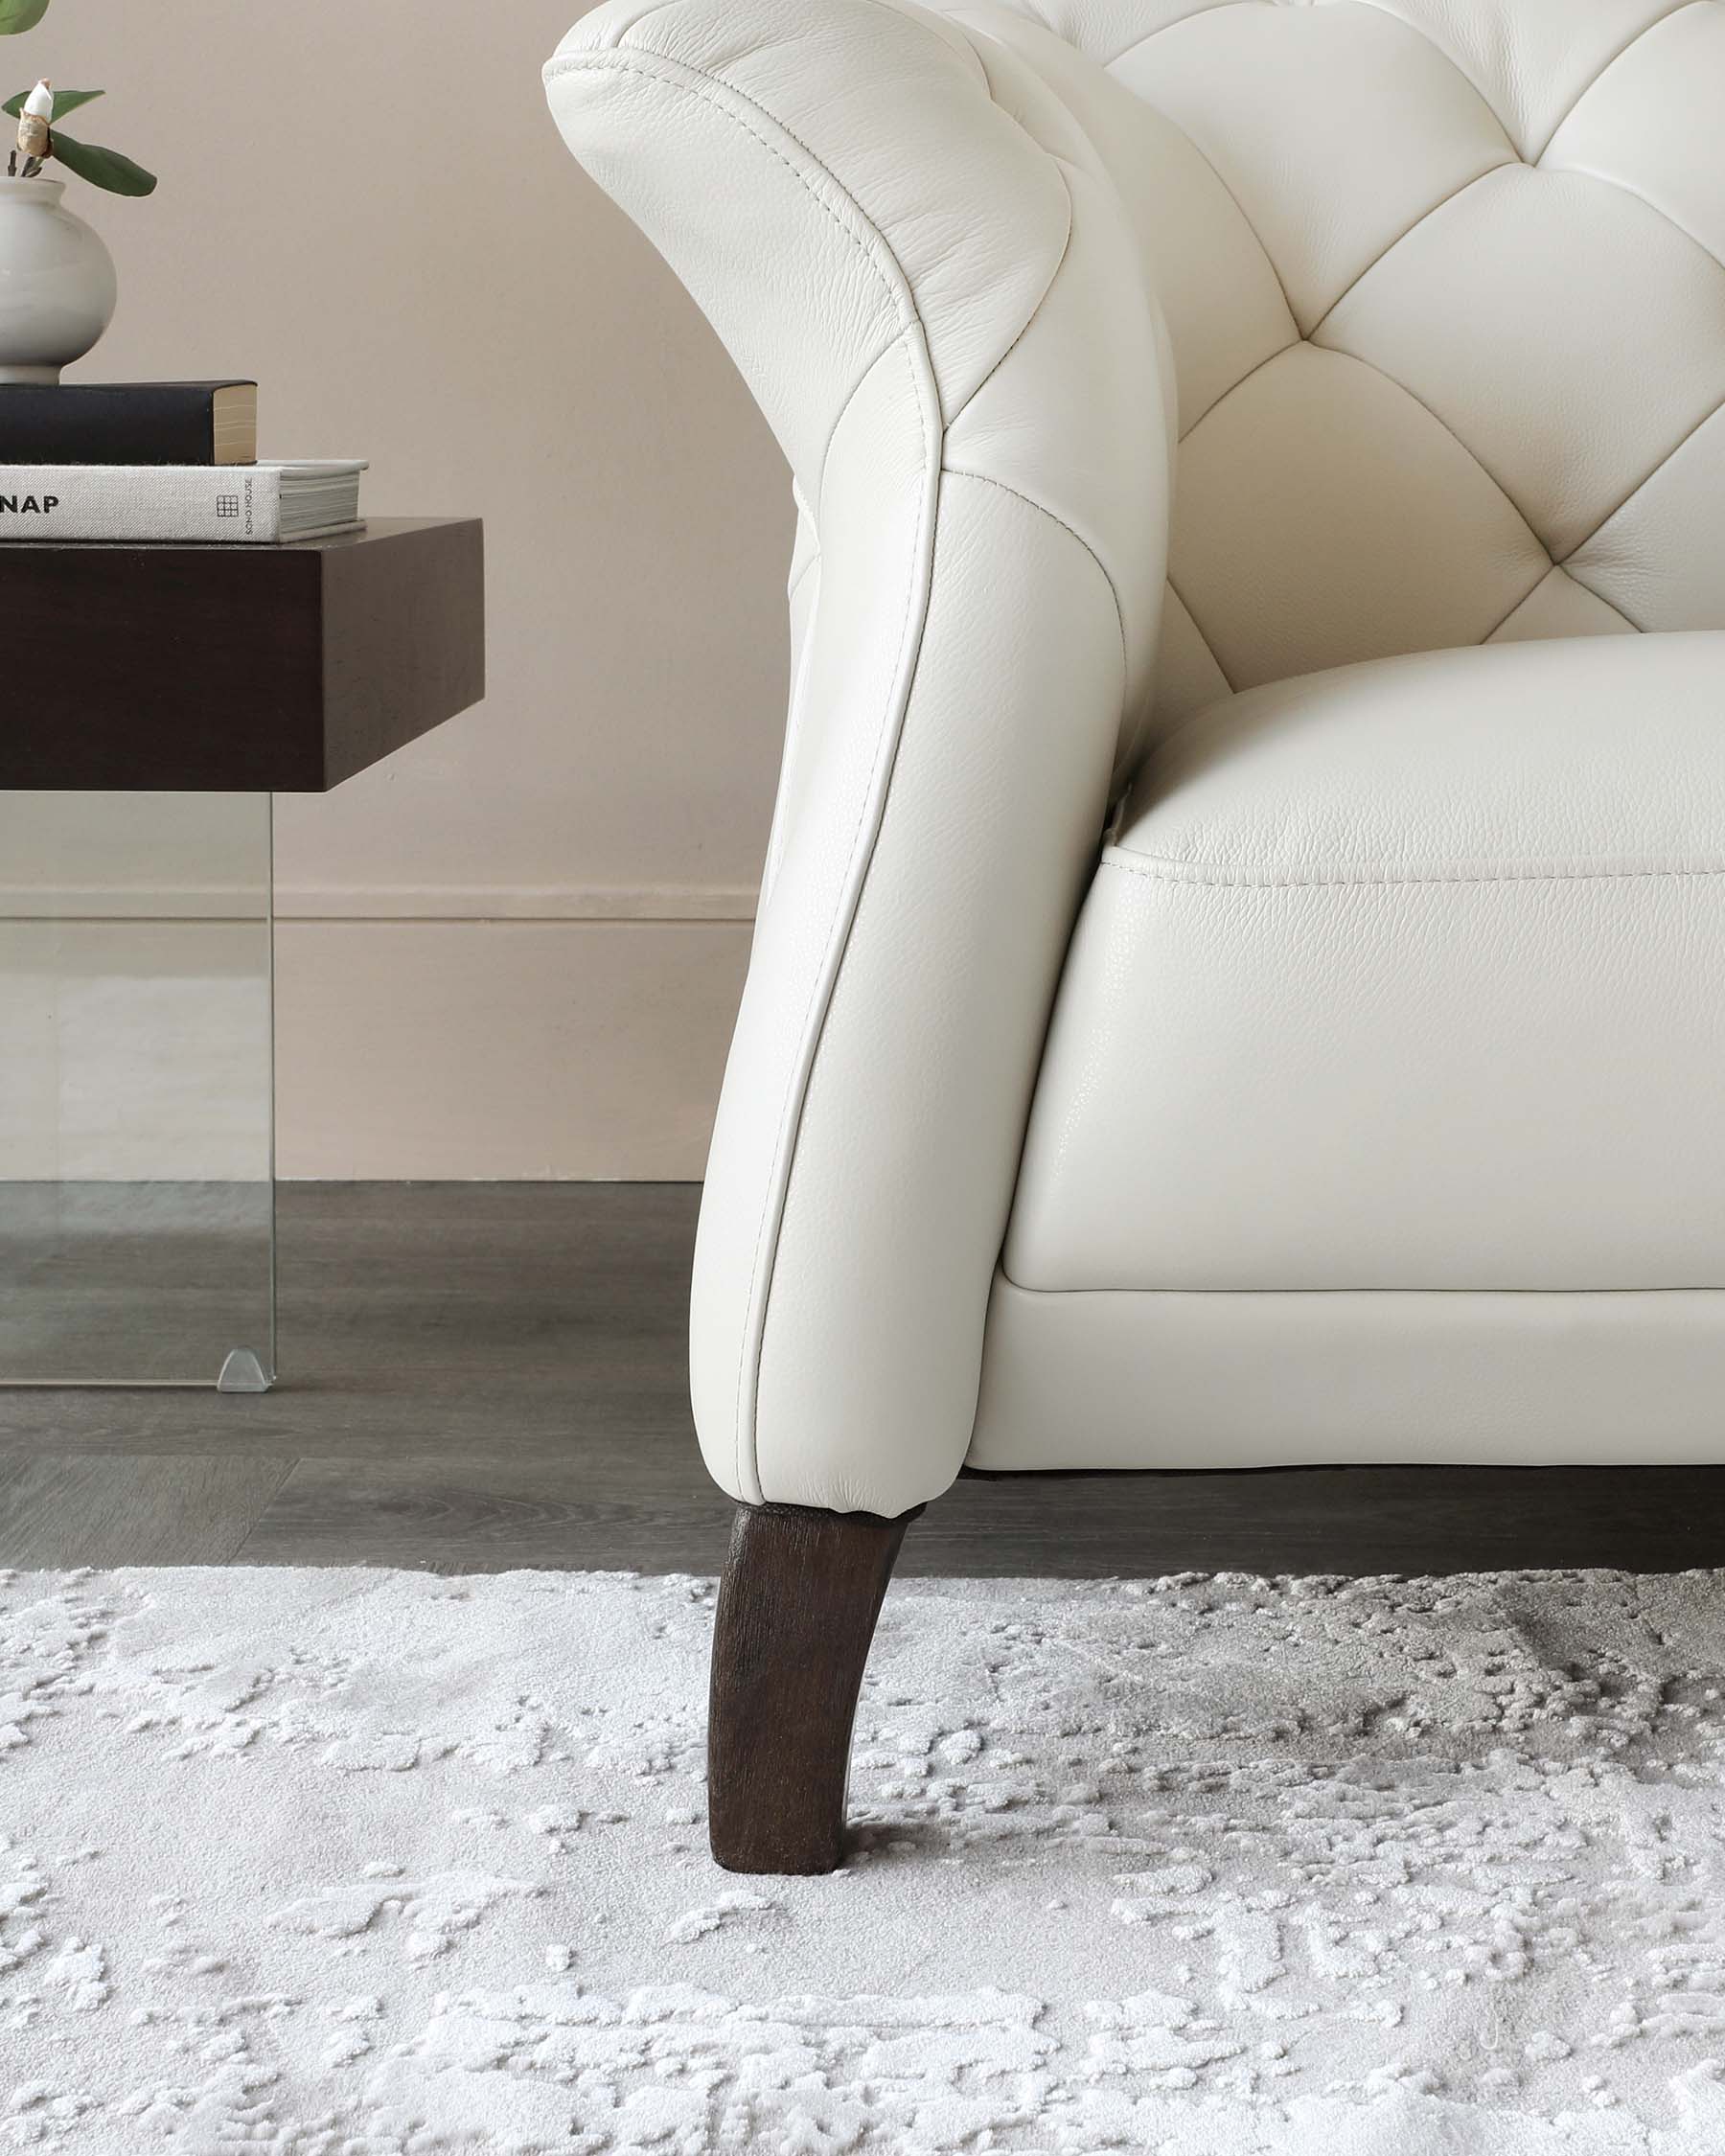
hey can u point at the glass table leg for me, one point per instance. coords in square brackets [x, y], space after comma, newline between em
[137, 1190]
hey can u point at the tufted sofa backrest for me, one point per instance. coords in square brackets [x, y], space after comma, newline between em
[1444, 283]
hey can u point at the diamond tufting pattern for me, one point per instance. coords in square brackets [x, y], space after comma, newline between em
[1466, 381]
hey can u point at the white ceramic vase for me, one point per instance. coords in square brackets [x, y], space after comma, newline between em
[56, 281]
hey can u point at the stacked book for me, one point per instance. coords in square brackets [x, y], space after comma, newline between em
[160, 460]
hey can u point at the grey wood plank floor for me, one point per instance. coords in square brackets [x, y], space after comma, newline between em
[482, 1376]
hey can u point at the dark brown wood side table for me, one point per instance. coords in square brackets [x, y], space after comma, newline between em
[159, 697]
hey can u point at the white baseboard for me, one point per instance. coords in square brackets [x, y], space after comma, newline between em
[511, 901]
[381, 902]
[125, 902]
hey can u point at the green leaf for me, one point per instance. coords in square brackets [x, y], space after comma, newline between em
[102, 168]
[64, 100]
[21, 14]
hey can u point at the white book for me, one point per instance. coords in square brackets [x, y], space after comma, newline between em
[259, 503]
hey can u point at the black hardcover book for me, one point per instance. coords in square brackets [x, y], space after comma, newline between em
[128, 423]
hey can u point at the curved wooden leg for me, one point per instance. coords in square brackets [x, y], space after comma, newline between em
[797, 1606]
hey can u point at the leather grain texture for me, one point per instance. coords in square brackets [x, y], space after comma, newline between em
[1227, 1380]
[1406, 976]
[1135, 359]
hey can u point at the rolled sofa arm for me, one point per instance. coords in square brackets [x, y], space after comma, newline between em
[924, 273]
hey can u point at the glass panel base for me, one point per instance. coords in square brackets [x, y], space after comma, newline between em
[137, 1197]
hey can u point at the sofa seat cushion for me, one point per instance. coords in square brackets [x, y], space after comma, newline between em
[1406, 976]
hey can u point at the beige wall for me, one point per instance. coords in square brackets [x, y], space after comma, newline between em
[515, 949]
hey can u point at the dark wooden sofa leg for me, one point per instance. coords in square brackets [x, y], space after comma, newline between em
[797, 1606]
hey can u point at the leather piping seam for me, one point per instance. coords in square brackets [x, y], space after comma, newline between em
[724, 99]
[1022, 1287]
[1150, 868]
[859, 856]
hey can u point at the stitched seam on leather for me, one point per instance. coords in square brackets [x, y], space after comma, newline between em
[1152, 868]
[1150, 35]
[634, 23]
[850, 397]
[942, 23]
[1481, 92]
[1384, 375]
[1616, 605]
[1424, 218]
[1451, 59]
[1221, 181]
[1257, 367]
[1636, 194]
[1337, 352]
[1675, 450]
[678, 74]
[776, 120]
[1205, 159]
[1522, 601]
[1558, 570]
[1210, 647]
[813, 562]
[961, 471]
[1066, 247]
[1628, 45]
[1605, 179]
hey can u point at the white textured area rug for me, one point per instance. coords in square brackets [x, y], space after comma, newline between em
[341, 1864]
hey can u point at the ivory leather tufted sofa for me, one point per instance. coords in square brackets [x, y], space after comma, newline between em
[1240, 975]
